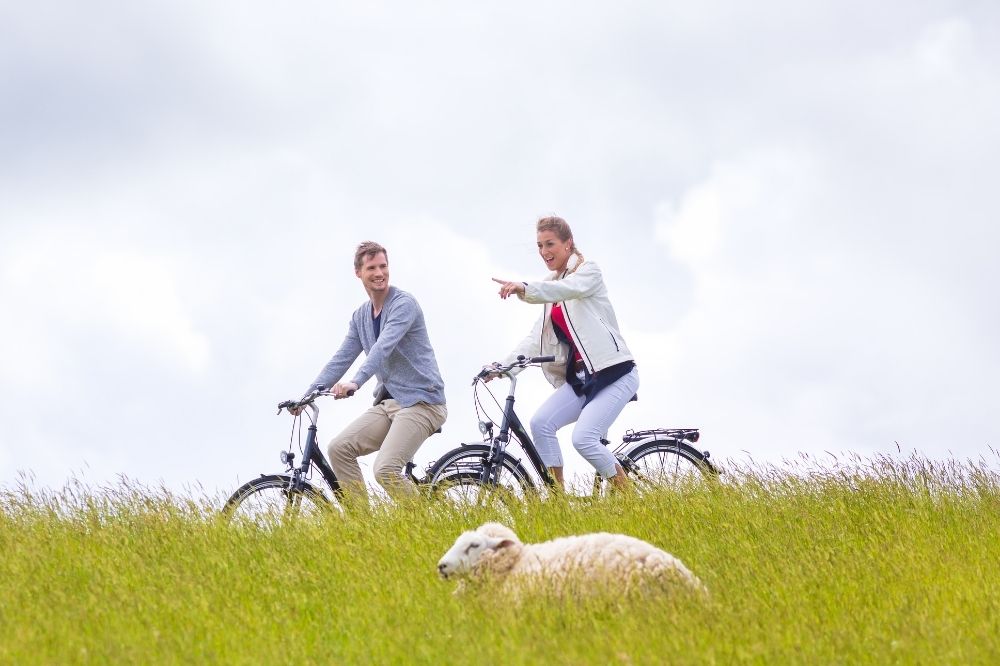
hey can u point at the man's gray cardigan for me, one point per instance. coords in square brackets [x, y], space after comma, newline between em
[402, 359]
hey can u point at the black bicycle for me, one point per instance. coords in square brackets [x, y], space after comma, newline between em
[651, 458]
[278, 496]
[292, 493]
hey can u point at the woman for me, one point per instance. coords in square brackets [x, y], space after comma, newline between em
[594, 373]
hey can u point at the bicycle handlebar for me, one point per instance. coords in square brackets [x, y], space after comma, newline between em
[307, 399]
[521, 362]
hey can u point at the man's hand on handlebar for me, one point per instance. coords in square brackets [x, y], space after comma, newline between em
[343, 390]
[294, 407]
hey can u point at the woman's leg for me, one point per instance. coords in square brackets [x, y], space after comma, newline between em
[561, 408]
[595, 420]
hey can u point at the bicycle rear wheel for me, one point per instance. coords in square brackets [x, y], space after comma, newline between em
[273, 499]
[457, 477]
[666, 462]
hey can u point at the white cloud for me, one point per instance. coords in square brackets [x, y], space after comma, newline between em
[944, 46]
[61, 282]
[805, 332]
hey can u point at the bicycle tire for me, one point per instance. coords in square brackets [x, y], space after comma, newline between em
[666, 462]
[457, 476]
[269, 499]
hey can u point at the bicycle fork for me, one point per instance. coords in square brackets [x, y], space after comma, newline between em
[490, 473]
[310, 455]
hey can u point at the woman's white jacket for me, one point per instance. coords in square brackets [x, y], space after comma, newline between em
[589, 316]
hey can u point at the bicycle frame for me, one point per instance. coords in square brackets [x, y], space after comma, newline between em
[499, 444]
[311, 455]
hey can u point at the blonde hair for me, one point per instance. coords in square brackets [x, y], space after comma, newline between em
[561, 229]
[367, 250]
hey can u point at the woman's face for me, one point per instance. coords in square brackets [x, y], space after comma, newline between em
[554, 252]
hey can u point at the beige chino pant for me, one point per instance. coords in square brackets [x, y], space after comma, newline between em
[395, 432]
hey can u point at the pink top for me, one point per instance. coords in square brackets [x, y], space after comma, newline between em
[559, 319]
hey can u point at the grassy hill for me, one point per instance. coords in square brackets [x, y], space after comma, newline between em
[872, 562]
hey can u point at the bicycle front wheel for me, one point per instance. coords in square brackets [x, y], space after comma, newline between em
[666, 462]
[457, 477]
[275, 499]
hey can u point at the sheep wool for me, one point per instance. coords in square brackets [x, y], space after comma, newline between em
[493, 551]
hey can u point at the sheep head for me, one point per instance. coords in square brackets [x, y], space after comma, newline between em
[473, 548]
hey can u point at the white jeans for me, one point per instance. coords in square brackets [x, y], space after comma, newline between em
[592, 422]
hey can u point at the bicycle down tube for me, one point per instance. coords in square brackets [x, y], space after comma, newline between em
[311, 454]
[512, 421]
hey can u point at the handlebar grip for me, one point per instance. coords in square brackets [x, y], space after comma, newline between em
[287, 404]
[542, 359]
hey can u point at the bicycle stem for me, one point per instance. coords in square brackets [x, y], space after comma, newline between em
[312, 413]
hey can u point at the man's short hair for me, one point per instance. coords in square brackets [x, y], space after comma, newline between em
[367, 250]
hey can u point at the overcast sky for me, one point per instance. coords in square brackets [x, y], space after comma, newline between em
[794, 204]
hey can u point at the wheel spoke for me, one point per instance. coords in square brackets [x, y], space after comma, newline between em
[270, 501]
[664, 464]
[458, 482]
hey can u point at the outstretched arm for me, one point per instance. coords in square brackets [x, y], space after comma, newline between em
[508, 288]
[584, 282]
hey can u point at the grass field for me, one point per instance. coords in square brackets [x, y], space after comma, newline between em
[878, 561]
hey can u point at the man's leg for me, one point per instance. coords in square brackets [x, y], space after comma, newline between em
[363, 436]
[410, 427]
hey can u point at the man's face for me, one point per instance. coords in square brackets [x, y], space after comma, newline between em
[374, 273]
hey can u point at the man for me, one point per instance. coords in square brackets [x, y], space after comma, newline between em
[409, 395]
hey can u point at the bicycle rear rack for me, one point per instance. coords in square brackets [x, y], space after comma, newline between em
[690, 434]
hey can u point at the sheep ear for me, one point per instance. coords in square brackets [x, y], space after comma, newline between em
[497, 543]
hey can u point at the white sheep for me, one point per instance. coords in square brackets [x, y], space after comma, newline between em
[616, 561]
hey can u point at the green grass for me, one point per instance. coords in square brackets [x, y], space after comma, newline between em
[877, 561]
